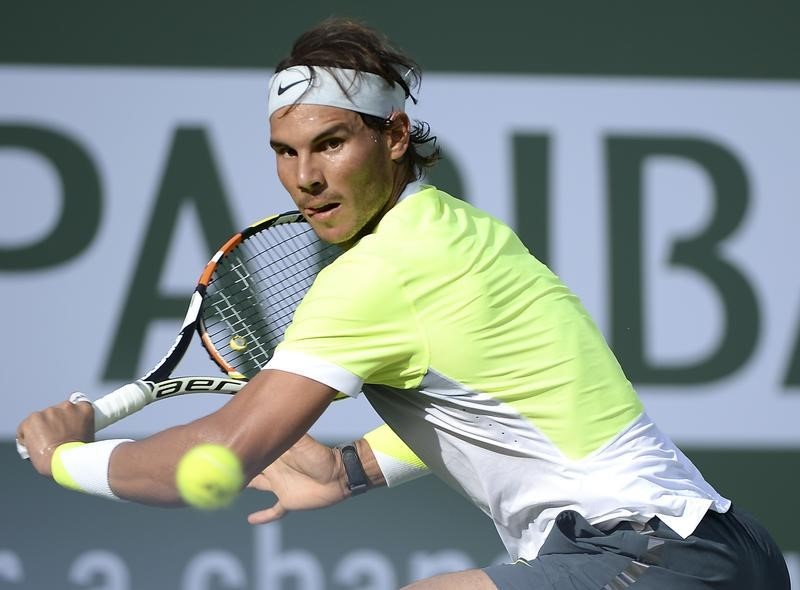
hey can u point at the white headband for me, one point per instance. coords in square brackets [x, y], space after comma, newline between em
[368, 93]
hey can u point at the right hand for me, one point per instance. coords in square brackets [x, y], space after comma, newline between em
[307, 476]
[42, 432]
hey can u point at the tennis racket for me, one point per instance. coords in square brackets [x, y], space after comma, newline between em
[243, 302]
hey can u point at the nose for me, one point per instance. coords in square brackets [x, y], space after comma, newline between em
[310, 178]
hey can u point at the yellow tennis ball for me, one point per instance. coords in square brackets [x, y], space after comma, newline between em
[209, 476]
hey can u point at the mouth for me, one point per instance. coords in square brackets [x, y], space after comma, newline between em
[321, 210]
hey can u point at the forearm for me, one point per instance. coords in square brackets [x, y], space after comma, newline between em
[144, 471]
[141, 471]
[259, 424]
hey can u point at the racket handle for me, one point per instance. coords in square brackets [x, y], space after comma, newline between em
[120, 403]
[110, 408]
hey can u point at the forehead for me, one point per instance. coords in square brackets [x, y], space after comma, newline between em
[305, 121]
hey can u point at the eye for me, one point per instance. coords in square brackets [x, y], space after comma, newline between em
[285, 152]
[333, 143]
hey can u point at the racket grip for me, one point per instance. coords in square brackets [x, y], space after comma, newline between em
[120, 403]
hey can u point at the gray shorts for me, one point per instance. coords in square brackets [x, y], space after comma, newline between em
[730, 551]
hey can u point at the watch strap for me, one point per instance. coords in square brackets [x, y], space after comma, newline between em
[357, 480]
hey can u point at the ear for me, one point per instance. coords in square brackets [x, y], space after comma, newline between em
[398, 135]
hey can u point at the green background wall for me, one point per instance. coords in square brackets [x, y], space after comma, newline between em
[715, 38]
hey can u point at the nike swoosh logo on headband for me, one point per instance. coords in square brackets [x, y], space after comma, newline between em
[282, 88]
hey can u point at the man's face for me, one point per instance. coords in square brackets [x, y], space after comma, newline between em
[338, 171]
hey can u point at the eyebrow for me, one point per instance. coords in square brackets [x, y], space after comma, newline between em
[324, 134]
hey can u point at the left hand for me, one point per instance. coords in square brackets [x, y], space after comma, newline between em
[309, 475]
[42, 432]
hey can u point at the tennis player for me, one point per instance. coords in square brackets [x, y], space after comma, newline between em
[486, 369]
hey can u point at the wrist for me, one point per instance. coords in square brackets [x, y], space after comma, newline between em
[370, 464]
[352, 476]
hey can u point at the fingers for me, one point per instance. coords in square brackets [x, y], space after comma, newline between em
[271, 514]
[260, 482]
[274, 512]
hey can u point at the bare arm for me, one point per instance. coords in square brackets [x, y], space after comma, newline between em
[259, 424]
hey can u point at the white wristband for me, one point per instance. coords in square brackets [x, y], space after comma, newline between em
[84, 467]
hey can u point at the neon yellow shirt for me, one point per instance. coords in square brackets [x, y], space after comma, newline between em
[490, 369]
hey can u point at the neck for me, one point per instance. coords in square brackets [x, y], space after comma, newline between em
[404, 175]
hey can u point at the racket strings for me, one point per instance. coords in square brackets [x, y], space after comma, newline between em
[235, 325]
[291, 290]
[248, 292]
[256, 288]
[307, 258]
[257, 332]
[272, 324]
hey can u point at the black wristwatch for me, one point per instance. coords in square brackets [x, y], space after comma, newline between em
[357, 481]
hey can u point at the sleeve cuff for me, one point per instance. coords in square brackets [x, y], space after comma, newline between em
[317, 369]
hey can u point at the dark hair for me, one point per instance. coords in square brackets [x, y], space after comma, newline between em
[349, 44]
